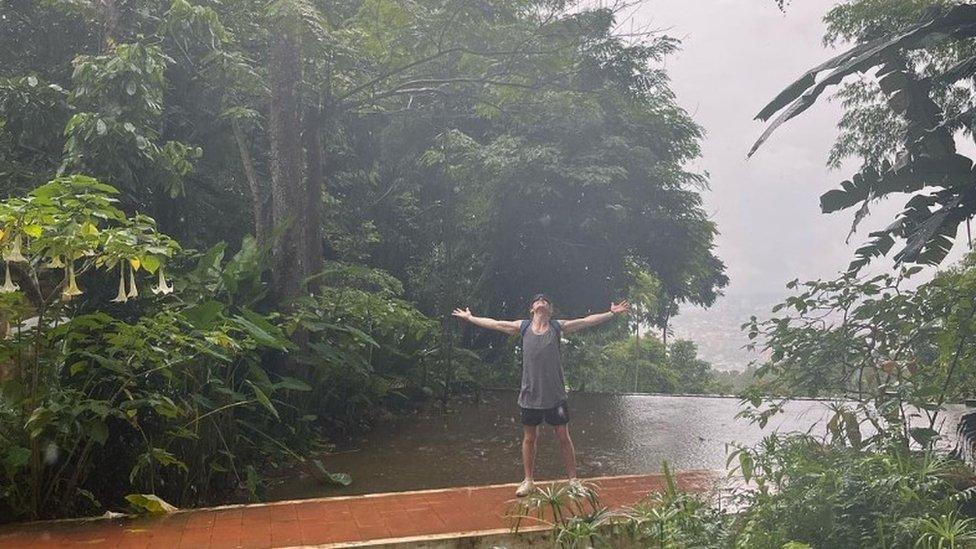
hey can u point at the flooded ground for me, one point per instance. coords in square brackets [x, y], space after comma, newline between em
[480, 443]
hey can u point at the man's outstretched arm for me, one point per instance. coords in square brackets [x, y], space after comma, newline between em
[510, 327]
[577, 324]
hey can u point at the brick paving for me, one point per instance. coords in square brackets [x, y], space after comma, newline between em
[323, 521]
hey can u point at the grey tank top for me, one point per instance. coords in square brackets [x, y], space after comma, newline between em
[543, 385]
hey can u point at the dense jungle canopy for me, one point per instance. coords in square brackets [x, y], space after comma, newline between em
[312, 186]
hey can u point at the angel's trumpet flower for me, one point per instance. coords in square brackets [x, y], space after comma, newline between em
[133, 291]
[55, 263]
[72, 289]
[14, 254]
[121, 297]
[162, 288]
[8, 283]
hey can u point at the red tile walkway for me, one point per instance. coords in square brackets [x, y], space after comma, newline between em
[323, 521]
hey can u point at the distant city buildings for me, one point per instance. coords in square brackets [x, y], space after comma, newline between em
[716, 331]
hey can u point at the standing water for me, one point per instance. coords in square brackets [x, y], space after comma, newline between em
[475, 443]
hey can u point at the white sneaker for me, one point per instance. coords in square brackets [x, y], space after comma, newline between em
[526, 488]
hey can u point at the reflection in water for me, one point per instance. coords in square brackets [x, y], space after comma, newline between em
[480, 443]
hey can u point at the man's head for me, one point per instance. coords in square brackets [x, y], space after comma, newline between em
[540, 303]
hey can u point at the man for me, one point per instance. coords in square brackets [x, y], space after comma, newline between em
[543, 393]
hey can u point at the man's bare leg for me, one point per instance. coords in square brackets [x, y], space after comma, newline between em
[530, 433]
[568, 451]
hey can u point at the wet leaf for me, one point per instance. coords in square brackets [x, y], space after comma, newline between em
[150, 503]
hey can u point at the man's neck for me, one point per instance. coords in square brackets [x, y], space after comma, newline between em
[540, 319]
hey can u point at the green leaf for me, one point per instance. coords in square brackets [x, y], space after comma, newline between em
[293, 384]
[38, 420]
[339, 479]
[150, 263]
[745, 465]
[150, 503]
[89, 229]
[261, 330]
[16, 457]
[263, 398]
[923, 435]
[78, 366]
[853, 429]
[164, 406]
[98, 432]
[202, 315]
[342, 479]
[252, 481]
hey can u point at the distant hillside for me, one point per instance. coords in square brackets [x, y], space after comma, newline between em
[716, 330]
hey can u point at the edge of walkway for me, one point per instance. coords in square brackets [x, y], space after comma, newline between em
[125, 516]
[426, 538]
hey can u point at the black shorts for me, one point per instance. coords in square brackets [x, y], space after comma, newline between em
[559, 415]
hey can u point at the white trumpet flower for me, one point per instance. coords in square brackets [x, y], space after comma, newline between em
[8, 283]
[133, 291]
[55, 263]
[162, 288]
[72, 289]
[14, 254]
[121, 297]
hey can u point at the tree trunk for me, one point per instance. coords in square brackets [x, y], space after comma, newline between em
[289, 266]
[110, 16]
[312, 212]
[664, 333]
[259, 199]
[447, 352]
[637, 345]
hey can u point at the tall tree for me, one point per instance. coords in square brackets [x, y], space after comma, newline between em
[292, 259]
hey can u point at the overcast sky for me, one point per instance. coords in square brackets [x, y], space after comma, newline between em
[736, 55]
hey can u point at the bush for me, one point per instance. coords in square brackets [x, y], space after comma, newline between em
[831, 495]
[802, 493]
[666, 519]
[364, 345]
[174, 396]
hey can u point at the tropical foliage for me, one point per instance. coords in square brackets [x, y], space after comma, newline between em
[904, 116]
[805, 493]
[339, 176]
[604, 363]
[176, 395]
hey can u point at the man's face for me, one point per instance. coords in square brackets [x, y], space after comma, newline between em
[541, 305]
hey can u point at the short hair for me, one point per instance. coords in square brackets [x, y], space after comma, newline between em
[539, 296]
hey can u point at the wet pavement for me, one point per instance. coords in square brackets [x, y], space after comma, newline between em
[476, 443]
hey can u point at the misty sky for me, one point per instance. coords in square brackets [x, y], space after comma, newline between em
[736, 55]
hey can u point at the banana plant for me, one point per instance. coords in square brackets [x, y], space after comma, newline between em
[927, 164]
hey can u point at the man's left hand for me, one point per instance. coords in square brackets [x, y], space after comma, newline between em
[618, 308]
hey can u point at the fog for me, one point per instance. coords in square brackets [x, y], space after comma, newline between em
[737, 55]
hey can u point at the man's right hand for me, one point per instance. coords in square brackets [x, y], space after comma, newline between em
[510, 327]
